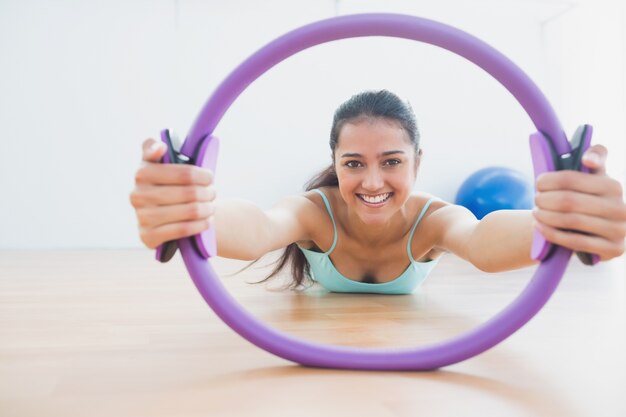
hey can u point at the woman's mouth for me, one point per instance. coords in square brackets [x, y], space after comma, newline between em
[376, 200]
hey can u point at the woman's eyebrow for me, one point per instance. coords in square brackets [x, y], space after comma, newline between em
[358, 155]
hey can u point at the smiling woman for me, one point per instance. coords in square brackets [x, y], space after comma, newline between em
[371, 215]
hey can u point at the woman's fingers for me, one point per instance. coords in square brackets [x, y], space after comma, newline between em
[153, 150]
[580, 211]
[594, 158]
[171, 231]
[579, 222]
[186, 211]
[164, 195]
[581, 203]
[173, 174]
[153, 172]
[153, 217]
[606, 249]
[581, 182]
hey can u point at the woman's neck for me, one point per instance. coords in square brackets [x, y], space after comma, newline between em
[378, 235]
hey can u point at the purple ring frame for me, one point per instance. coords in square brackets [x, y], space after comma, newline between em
[519, 312]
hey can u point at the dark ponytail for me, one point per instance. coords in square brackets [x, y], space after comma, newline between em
[369, 104]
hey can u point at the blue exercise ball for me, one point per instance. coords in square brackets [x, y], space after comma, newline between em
[495, 188]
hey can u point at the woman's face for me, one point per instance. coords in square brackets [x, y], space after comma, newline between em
[376, 168]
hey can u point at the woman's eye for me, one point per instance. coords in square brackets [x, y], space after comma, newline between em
[392, 162]
[353, 164]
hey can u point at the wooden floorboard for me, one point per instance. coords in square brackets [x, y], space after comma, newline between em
[114, 333]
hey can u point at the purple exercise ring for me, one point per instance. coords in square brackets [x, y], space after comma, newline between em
[521, 310]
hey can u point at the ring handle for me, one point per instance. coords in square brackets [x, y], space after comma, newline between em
[205, 156]
[547, 159]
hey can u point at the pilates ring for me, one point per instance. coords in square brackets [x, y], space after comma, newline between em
[550, 151]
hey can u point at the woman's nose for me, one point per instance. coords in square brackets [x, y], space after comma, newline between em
[373, 180]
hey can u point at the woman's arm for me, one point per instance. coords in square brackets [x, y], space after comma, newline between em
[500, 241]
[173, 201]
[244, 231]
[565, 201]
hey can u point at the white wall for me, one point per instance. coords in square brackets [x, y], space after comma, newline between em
[586, 75]
[83, 83]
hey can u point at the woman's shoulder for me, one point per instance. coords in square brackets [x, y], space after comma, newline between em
[331, 194]
[306, 209]
[418, 201]
[442, 215]
[315, 216]
[427, 208]
[431, 210]
[311, 204]
[303, 204]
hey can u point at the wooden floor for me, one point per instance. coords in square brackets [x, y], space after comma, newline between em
[114, 333]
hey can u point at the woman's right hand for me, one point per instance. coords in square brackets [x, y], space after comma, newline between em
[171, 201]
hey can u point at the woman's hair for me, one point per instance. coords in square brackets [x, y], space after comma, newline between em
[381, 104]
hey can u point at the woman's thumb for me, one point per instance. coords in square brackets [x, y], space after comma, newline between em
[153, 150]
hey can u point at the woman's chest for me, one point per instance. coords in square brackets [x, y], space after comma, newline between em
[371, 264]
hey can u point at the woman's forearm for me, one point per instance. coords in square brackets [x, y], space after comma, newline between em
[242, 229]
[502, 240]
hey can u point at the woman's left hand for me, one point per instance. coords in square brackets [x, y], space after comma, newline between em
[569, 201]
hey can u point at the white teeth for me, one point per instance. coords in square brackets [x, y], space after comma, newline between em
[375, 199]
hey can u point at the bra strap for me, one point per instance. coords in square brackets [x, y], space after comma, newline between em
[408, 246]
[331, 217]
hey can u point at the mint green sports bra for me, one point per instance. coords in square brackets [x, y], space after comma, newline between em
[324, 272]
